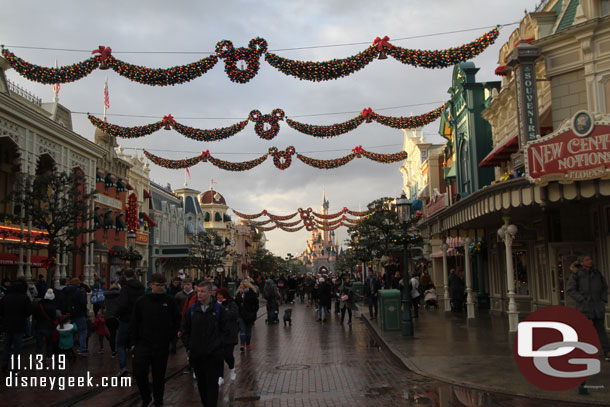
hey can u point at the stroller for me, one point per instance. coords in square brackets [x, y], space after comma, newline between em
[430, 299]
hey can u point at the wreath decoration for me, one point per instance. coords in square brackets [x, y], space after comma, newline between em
[282, 159]
[271, 119]
[251, 56]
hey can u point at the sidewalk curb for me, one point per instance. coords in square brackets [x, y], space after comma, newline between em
[406, 362]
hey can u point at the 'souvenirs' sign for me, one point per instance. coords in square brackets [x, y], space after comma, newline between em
[578, 151]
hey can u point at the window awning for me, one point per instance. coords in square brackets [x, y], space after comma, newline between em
[501, 153]
[120, 186]
[147, 194]
[8, 259]
[129, 186]
[120, 224]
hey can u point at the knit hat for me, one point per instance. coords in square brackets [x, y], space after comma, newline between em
[49, 295]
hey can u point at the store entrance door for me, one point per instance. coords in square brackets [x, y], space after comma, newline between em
[562, 256]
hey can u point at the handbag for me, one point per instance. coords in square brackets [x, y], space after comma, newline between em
[344, 297]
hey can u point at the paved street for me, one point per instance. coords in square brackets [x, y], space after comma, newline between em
[308, 364]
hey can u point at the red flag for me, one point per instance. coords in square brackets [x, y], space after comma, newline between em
[106, 97]
[188, 172]
[56, 87]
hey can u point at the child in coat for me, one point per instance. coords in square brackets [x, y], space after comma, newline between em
[66, 331]
[100, 329]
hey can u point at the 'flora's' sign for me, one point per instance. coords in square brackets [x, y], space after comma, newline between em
[578, 151]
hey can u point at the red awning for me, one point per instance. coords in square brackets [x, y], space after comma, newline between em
[11, 259]
[129, 187]
[501, 153]
[8, 259]
[147, 194]
[501, 70]
[148, 219]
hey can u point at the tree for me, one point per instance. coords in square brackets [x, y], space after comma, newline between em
[347, 261]
[207, 251]
[58, 204]
[373, 236]
[264, 261]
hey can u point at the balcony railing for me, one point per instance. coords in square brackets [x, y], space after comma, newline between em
[18, 90]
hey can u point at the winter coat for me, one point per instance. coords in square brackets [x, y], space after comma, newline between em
[248, 305]
[346, 289]
[456, 287]
[173, 290]
[371, 287]
[42, 322]
[75, 302]
[66, 336]
[130, 292]
[154, 321]
[15, 307]
[324, 294]
[184, 300]
[100, 326]
[202, 332]
[111, 303]
[230, 308]
[590, 291]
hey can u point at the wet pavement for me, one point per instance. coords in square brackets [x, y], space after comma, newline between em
[477, 354]
[308, 364]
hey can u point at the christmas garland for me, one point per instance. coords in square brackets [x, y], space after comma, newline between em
[133, 220]
[209, 135]
[125, 132]
[446, 57]
[272, 119]
[288, 224]
[304, 70]
[326, 131]
[281, 159]
[245, 216]
[287, 229]
[409, 122]
[280, 217]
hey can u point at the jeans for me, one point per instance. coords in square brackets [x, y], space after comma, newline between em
[372, 304]
[122, 341]
[323, 309]
[46, 336]
[81, 324]
[11, 340]
[245, 331]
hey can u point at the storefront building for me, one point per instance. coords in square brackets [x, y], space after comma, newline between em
[550, 201]
[36, 137]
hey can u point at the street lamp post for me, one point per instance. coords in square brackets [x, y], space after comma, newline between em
[403, 207]
[507, 233]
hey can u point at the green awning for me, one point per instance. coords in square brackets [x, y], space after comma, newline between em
[217, 217]
[120, 186]
[120, 225]
[206, 218]
[109, 181]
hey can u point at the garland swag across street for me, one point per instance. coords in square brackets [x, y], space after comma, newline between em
[305, 70]
[281, 159]
[168, 122]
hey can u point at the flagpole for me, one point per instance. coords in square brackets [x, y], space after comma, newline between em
[105, 92]
[55, 88]
[185, 183]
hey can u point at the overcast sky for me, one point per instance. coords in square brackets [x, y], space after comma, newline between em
[197, 26]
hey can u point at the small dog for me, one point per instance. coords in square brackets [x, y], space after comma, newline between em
[288, 316]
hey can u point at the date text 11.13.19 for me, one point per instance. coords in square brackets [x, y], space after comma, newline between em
[37, 362]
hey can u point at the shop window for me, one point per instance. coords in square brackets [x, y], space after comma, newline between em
[520, 268]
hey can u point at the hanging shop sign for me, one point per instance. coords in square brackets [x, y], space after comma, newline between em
[142, 237]
[578, 151]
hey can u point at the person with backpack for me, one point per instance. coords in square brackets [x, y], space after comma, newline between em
[154, 323]
[45, 315]
[203, 327]
[131, 290]
[75, 304]
[271, 294]
[111, 304]
[247, 302]
[97, 295]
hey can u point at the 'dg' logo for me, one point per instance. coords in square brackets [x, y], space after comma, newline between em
[557, 348]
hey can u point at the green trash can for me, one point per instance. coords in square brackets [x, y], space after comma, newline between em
[358, 289]
[389, 310]
[232, 288]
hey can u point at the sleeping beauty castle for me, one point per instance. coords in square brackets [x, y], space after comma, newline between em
[322, 249]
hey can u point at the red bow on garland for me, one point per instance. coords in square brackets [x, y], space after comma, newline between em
[264, 211]
[48, 262]
[168, 120]
[367, 114]
[205, 155]
[358, 150]
[104, 52]
[382, 43]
